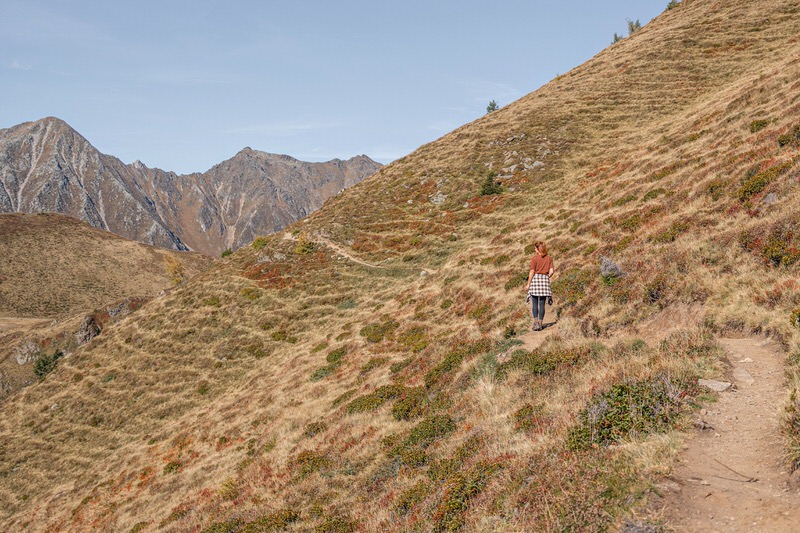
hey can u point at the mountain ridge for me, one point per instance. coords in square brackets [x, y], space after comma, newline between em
[46, 165]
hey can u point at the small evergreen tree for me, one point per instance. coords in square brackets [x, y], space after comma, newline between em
[227, 252]
[492, 107]
[491, 185]
[617, 38]
[673, 4]
[633, 26]
[304, 245]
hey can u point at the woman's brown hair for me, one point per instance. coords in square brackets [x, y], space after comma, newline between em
[539, 245]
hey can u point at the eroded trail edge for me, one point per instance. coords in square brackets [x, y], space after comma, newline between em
[732, 476]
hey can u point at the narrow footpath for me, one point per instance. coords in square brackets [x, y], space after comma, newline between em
[732, 476]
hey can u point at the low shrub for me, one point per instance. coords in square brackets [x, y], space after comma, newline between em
[716, 188]
[759, 181]
[260, 243]
[794, 318]
[172, 467]
[540, 362]
[653, 194]
[791, 138]
[373, 363]
[517, 280]
[675, 230]
[228, 526]
[370, 402]
[452, 361]
[377, 331]
[625, 200]
[759, 124]
[275, 521]
[335, 356]
[528, 417]
[414, 339]
[411, 404]
[463, 487]
[314, 428]
[411, 497]
[310, 461]
[627, 410]
[571, 286]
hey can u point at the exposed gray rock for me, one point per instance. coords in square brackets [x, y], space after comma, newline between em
[609, 269]
[26, 352]
[716, 386]
[89, 330]
[743, 376]
[770, 198]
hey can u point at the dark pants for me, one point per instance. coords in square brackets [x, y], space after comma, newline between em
[537, 306]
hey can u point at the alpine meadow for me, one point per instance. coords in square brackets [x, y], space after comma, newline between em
[371, 367]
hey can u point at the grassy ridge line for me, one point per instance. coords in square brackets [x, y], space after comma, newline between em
[210, 332]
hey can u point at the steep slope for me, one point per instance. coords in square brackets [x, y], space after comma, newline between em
[292, 388]
[47, 166]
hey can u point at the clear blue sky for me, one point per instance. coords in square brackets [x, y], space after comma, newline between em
[184, 85]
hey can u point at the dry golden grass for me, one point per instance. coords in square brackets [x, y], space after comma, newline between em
[229, 404]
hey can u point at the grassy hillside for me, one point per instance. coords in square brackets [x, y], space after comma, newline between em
[291, 388]
[55, 266]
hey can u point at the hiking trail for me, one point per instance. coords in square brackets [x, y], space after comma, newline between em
[732, 475]
[344, 253]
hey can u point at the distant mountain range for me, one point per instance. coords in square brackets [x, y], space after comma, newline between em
[46, 166]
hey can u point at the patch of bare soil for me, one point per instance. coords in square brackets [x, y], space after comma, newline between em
[732, 475]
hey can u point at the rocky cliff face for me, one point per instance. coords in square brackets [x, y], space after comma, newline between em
[47, 166]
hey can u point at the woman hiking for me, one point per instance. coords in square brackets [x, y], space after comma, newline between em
[538, 286]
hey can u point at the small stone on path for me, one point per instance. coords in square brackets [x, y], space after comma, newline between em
[716, 386]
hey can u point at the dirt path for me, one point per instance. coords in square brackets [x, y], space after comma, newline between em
[344, 253]
[8, 324]
[731, 476]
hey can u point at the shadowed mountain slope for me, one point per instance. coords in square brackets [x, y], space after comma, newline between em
[293, 388]
[47, 166]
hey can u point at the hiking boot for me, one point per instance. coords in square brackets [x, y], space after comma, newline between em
[537, 325]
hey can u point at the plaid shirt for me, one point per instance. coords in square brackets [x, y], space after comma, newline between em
[540, 286]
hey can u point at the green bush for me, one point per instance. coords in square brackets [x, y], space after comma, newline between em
[226, 252]
[627, 410]
[377, 331]
[172, 467]
[44, 364]
[759, 181]
[794, 318]
[260, 243]
[314, 428]
[625, 200]
[411, 404]
[334, 356]
[758, 125]
[527, 418]
[373, 363]
[309, 461]
[490, 185]
[463, 487]
[411, 497]
[716, 189]
[675, 230]
[539, 362]
[673, 4]
[227, 526]
[571, 286]
[653, 194]
[414, 339]
[370, 402]
[791, 138]
[430, 430]
[517, 280]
